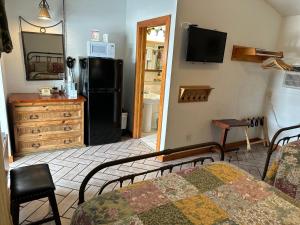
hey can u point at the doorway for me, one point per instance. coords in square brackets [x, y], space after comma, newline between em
[151, 64]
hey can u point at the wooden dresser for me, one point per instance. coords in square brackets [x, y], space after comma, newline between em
[46, 123]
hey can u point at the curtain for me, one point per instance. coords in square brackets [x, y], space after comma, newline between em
[5, 40]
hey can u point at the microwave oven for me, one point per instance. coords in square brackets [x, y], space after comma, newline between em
[101, 49]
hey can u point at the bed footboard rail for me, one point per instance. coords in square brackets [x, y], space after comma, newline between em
[169, 167]
[275, 143]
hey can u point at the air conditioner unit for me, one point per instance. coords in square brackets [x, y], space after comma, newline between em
[292, 80]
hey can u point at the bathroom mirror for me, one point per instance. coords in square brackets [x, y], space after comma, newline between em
[43, 56]
[154, 56]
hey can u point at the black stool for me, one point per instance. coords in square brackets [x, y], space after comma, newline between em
[32, 183]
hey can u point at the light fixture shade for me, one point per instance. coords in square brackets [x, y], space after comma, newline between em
[44, 14]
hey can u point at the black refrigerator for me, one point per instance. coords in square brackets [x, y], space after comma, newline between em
[101, 84]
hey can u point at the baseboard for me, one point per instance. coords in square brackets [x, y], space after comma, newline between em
[185, 154]
[194, 152]
[241, 143]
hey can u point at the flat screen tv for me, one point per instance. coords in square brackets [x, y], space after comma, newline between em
[205, 45]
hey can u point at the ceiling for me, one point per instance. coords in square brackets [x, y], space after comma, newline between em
[286, 7]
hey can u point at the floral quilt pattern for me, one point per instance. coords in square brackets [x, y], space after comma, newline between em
[287, 177]
[213, 194]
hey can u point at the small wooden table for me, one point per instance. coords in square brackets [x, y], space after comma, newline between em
[226, 125]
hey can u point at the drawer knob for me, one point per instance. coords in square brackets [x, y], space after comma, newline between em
[36, 131]
[36, 145]
[67, 128]
[68, 142]
[67, 114]
[34, 117]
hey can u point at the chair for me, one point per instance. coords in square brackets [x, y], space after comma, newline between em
[32, 183]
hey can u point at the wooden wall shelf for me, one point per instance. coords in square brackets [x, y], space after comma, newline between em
[249, 54]
[189, 94]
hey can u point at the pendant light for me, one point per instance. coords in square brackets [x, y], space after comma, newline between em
[44, 10]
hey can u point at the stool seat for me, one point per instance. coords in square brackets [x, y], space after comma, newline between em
[30, 180]
[31, 183]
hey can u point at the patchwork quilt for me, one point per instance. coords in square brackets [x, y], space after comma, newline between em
[213, 194]
[284, 172]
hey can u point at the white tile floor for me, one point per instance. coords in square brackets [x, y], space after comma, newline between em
[69, 168]
[150, 140]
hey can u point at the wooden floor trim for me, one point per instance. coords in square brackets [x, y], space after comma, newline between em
[194, 152]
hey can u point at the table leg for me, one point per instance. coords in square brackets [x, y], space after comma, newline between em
[224, 139]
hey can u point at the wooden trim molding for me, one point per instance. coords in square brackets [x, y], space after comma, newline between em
[194, 152]
[139, 79]
[140, 72]
[5, 217]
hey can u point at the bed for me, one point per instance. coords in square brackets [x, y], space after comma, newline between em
[44, 65]
[208, 193]
[284, 171]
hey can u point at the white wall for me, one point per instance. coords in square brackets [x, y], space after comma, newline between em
[14, 62]
[239, 86]
[81, 18]
[285, 100]
[139, 10]
[3, 110]
[84, 16]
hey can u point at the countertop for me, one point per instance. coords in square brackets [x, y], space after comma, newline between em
[34, 97]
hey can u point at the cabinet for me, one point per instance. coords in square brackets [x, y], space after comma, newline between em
[46, 123]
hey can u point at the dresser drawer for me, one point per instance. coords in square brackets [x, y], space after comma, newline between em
[49, 144]
[46, 123]
[37, 107]
[50, 129]
[46, 116]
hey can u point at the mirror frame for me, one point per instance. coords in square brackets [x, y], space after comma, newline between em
[25, 56]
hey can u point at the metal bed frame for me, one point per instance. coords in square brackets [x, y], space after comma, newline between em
[169, 167]
[48, 55]
[273, 147]
[44, 57]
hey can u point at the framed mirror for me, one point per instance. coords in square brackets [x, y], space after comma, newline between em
[154, 56]
[44, 56]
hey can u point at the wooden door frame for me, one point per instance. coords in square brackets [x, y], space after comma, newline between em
[5, 217]
[141, 40]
